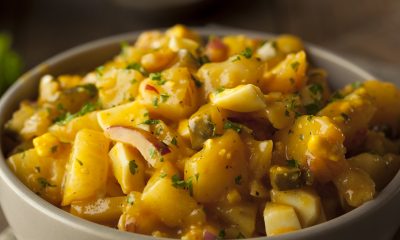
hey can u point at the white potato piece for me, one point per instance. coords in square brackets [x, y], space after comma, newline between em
[87, 169]
[280, 218]
[243, 98]
[128, 167]
[305, 201]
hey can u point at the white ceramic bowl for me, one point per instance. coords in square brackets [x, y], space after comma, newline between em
[32, 218]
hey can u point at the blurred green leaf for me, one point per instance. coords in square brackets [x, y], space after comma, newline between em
[10, 63]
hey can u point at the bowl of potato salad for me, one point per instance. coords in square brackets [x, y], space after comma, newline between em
[200, 134]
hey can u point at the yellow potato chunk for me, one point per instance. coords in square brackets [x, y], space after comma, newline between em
[43, 175]
[287, 43]
[288, 76]
[243, 98]
[282, 109]
[306, 203]
[117, 86]
[87, 168]
[352, 115]
[16, 123]
[238, 43]
[280, 219]
[157, 60]
[46, 144]
[67, 132]
[171, 94]
[233, 72]
[101, 210]
[182, 31]
[168, 200]
[220, 165]
[132, 114]
[315, 143]
[386, 96]
[36, 125]
[128, 167]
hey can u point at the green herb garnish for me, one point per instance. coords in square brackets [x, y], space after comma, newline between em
[133, 167]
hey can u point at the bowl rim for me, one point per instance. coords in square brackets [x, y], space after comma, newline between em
[95, 229]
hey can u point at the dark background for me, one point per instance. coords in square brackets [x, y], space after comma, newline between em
[366, 31]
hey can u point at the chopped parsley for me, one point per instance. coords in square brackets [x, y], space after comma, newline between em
[155, 76]
[89, 107]
[133, 167]
[295, 66]
[163, 175]
[247, 53]
[221, 234]
[152, 152]
[155, 102]
[356, 85]
[237, 58]
[220, 89]
[137, 67]
[99, 70]
[60, 107]
[174, 141]
[130, 199]
[44, 183]
[164, 97]
[238, 180]
[336, 96]
[151, 121]
[180, 183]
[292, 163]
[203, 59]
[316, 88]
[231, 125]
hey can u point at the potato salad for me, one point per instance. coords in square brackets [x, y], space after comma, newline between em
[206, 137]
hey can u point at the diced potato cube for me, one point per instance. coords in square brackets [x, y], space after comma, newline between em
[46, 144]
[36, 125]
[170, 202]
[288, 76]
[131, 114]
[355, 186]
[87, 169]
[243, 98]
[385, 95]
[128, 167]
[220, 165]
[183, 129]
[177, 43]
[289, 43]
[157, 60]
[352, 115]
[101, 210]
[238, 43]
[260, 157]
[282, 109]
[315, 143]
[171, 94]
[43, 175]
[16, 123]
[306, 203]
[118, 86]
[279, 219]
[182, 31]
[233, 72]
[67, 132]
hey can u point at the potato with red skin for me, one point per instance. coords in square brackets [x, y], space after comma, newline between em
[216, 50]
